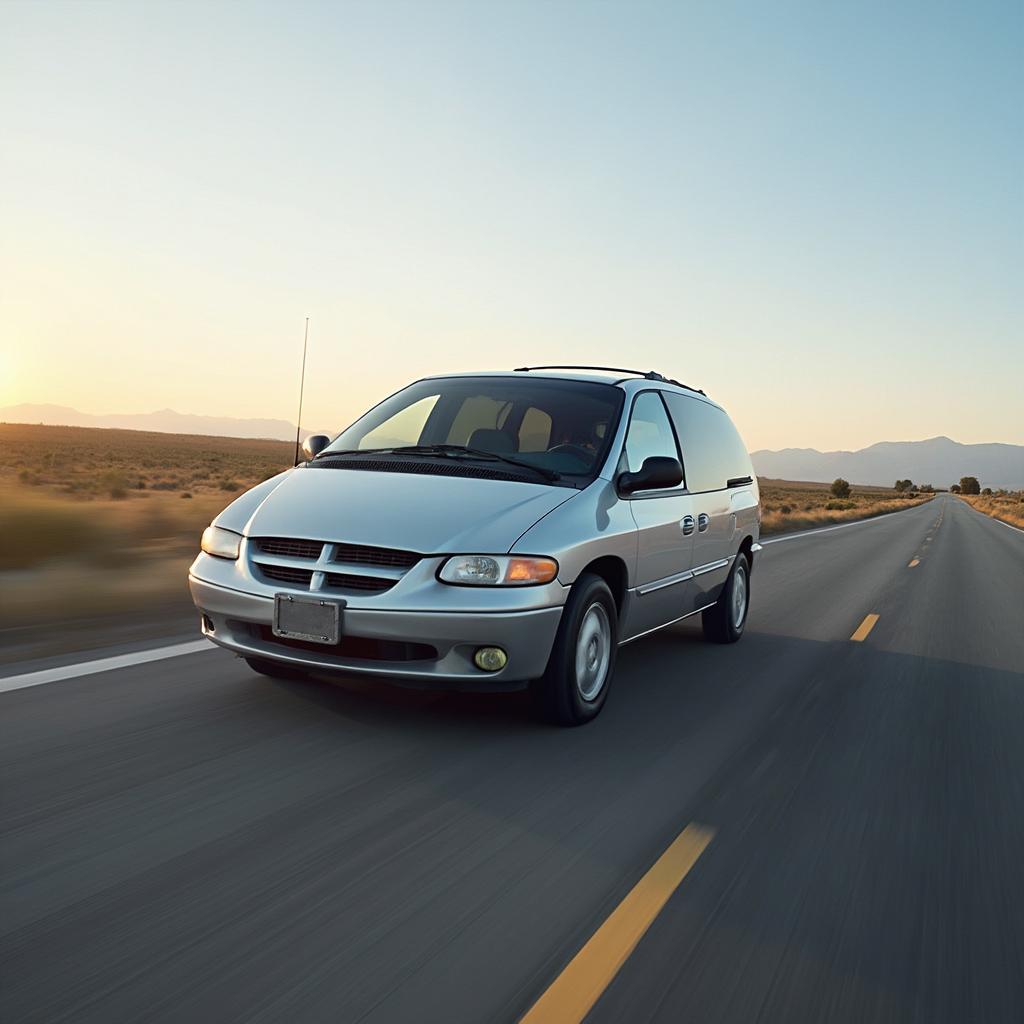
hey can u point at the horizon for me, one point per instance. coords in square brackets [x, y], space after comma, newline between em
[816, 221]
[336, 430]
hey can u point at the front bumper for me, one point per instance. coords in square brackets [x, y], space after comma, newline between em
[389, 642]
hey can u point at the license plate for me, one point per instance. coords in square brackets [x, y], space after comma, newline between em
[307, 618]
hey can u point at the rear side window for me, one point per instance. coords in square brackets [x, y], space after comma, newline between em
[713, 451]
[650, 432]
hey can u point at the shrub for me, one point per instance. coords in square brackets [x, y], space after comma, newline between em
[969, 485]
[840, 506]
[186, 494]
[986, 490]
[786, 509]
[230, 485]
[113, 481]
[840, 488]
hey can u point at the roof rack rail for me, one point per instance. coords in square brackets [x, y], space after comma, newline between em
[646, 374]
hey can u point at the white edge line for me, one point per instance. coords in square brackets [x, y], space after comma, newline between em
[88, 668]
[1009, 526]
[985, 515]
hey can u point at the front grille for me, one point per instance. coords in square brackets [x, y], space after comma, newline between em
[290, 548]
[285, 574]
[361, 554]
[268, 554]
[364, 584]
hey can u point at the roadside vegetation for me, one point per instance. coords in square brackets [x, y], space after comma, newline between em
[796, 505]
[98, 523]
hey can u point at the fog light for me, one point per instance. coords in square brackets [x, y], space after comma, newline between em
[490, 659]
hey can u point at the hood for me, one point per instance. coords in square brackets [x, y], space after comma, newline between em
[429, 514]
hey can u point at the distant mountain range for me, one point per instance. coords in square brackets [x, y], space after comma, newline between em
[938, 461]
[166, 421]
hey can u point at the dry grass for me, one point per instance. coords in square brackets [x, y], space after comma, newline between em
[86, 462]
[105, 522]
[798, 505]
[1007, 507]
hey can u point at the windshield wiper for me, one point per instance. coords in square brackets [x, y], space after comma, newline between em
[460, 450]
[323, 456]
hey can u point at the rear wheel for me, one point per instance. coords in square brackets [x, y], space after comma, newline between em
[723, 622]
[575, 683]
[275, 669]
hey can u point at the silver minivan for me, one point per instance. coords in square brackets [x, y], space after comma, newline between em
[491, 530]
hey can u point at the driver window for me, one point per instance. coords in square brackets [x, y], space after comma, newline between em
[650, 432]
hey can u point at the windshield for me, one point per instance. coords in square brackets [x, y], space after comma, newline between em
[560, 426]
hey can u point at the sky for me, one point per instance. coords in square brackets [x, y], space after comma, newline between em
[813, 211]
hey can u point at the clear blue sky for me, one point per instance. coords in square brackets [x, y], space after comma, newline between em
[814, 211]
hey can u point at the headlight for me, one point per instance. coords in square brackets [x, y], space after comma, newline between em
[498, 570]
[220, 542]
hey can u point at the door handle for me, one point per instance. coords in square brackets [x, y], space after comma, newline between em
[686, 524]
[703, 521]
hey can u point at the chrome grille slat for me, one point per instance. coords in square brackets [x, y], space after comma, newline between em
[289, 547]
[286, 574]
[366, 584]
[363, 554]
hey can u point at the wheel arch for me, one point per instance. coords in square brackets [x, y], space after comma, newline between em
[612, 570]
[747, 548]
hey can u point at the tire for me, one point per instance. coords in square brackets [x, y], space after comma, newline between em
[723, 622]
[275, 669]
[579, 673]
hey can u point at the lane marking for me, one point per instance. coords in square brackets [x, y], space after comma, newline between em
[913, 562]
[89, 668]
[839, 526]
[573, 993]
[865, 627]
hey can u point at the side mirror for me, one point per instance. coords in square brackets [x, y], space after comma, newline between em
[314, 445]
[658, 471]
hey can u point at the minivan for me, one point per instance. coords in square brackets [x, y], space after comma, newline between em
[491, 531]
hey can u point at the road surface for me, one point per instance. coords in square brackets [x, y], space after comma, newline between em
[186, 841]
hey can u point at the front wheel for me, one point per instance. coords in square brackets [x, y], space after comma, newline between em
[576, 681]
[723, 622]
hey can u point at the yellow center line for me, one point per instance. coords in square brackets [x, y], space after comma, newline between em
[913, 562]
[865, 627]
[571, 995]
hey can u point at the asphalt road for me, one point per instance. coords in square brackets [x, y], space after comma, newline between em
[186, 841]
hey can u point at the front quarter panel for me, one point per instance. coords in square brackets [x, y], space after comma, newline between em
[595, 524]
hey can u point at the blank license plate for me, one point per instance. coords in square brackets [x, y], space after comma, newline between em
[307, 618]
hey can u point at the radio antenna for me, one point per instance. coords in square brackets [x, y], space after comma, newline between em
[302, 385]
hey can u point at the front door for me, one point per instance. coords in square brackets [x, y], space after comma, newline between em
[665, 522]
